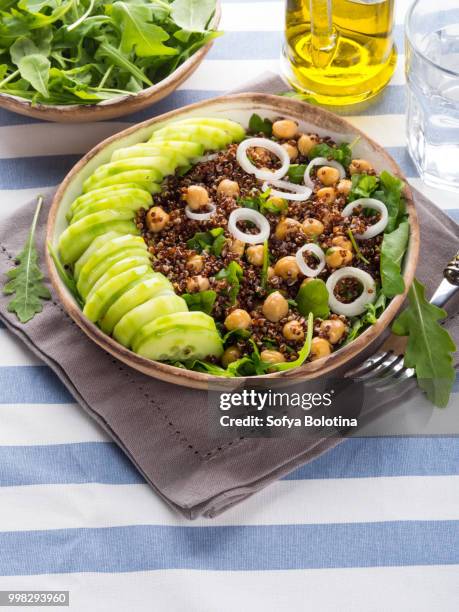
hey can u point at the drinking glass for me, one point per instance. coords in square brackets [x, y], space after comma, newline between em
[432, 69]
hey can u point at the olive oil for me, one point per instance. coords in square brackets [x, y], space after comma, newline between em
[339, 51]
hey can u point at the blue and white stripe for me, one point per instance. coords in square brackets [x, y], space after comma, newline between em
[370, 526]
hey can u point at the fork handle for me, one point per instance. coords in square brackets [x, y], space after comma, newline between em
[450, 284]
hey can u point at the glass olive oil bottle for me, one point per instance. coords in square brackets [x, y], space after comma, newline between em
[339, 51]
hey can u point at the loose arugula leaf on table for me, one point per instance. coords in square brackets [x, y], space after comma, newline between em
[233, 275]
[341, 153]
[393, 249]
[313, 297]
[430, 347]
[257, 125]
[203, 301]
[26, 279]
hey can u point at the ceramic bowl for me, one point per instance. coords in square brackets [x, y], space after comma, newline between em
[238, 107]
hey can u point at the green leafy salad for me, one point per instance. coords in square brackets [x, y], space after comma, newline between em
[60, 52]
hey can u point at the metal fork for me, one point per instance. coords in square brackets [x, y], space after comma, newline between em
[386, 367]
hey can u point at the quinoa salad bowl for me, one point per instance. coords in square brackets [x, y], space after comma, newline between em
[246, 236]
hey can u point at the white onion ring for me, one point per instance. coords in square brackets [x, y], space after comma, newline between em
[247, 214]
[357, 307]
[322, 161]
[317, 251]
[377, 205]
[201, 216]
[270, 145]
[301, 192]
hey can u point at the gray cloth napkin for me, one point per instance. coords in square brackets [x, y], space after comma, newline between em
[163, 428]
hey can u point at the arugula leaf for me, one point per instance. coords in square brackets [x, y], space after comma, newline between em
[373, 312]
[26, 279]
[296, 173]
[203, 366]
[363, 186]
[304, 352]
[137, 33]
[357, 250]
[430, 347]
[257, 125]
[204, 300]
[234, 335]
[391, 193]
[341, 153]
[65, 277]
[33, 65]
[313, 297]
[265, 266]
[233, 274]
[393, 249]
[211, 241]
[262, 203]
[193, 15]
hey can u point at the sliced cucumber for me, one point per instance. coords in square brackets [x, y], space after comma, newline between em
[132, 322]
[197, 319]
[95, 245]
[100, 300]
[178, 337]
[144, 179]
[112, 169]
[191, 150]
[115, 203]
[107, 192]
[235, 130]
[107, 197]
[118, 268]
[77, 237]
[210, 137]
[89, 277]
[145, 291]
[149, 149]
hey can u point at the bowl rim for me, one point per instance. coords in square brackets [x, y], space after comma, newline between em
[285, 107]
[140, 99]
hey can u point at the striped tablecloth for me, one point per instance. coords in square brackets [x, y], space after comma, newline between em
[371, 526]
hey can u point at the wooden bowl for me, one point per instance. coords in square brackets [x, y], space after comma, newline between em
[110, 109]
[238, 107]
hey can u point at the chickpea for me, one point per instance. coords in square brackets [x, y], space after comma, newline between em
[313, 227]
[344, 187]
[286, 227]
[334, 330]
[195, 263]
[306, 143]
[319, 348]
[237, 247]
[231, 354]
[273, 357]
[336, 257]
[327, 195]
[291, 150]
[197, 283]
[275, 307]
[293, 330]
[287, 268]
[342, 242]
[228, 189]
[196, 197]
[285, 129]
[360, 166]
[255, 254]
[156, 219]
[238, 319]
[271, 272]
[328, 175]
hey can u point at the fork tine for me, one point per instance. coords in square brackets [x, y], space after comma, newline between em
[381, 367]
[387, 370]
[371, 362]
